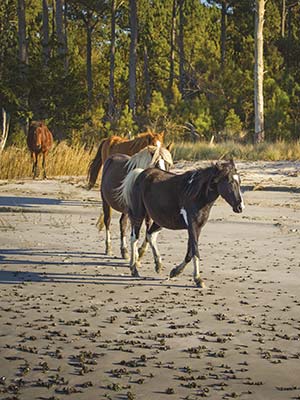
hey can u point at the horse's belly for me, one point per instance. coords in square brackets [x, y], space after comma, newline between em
[167, 221]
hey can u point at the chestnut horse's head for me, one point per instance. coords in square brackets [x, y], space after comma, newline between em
[151, 138]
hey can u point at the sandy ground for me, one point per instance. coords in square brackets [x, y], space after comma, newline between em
[76, 325]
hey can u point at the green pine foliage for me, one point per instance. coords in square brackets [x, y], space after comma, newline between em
[217, 99]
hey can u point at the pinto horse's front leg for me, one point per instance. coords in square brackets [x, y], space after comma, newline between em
[191, 254]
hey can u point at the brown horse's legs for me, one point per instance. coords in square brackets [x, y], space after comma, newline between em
[107, 219]
[123, 226]
[35, 164]
[44, 166]
[151, 238]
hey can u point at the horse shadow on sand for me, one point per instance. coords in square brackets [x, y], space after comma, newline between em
[25, 266]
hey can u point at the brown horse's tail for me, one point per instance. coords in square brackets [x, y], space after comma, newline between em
[95, 166]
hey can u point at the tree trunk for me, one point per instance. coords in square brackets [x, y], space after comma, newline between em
[147, 79]
[60, 34]
[89, 76]
[45, 28]
[5, 129]
[66, 35]
[172, 44]
[23, 58]
[111, 105]
[133, 56]
[181, 49]
[23, 53]
[283, 17]
[223, 33]
[259, 133]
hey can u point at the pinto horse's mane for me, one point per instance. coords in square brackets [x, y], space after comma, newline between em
[195, 180]
[149, 156]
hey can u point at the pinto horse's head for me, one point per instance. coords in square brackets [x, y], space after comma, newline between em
[228, 184]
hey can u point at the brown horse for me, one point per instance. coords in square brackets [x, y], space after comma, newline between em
[39, 141]
[117, 144]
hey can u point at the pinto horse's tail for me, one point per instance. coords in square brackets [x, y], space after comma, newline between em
[95, 166]
[123, 193]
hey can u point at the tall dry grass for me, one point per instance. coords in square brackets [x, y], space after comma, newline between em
[64, 160]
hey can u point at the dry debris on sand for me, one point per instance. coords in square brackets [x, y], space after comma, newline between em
[75, 324]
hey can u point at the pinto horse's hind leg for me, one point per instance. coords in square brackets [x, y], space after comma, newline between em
[144, 246]
[134, 237]
[107, 219]
[151, 238]
[123, 226]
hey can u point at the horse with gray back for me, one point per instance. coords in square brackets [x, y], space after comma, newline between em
[178, 202]
[39, 141]
[115, 169]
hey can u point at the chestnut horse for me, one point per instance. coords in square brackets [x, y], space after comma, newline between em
[39, 141]
[117, 144]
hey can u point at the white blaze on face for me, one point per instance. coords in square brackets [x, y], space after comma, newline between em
[184, 215]
[237, 179]
[158, 144]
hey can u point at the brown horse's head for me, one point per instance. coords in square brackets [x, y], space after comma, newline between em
[155, 139]
[151, 138]
[35, 136]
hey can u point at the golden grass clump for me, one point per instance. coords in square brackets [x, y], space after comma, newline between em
[62, 160]
[65, 160]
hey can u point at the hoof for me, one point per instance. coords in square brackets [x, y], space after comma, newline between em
[134, 272]
[108, 252]
[158, 267]
[200, 283]
[125, 254]
[100, 223]
[141, 252]
[173, 273]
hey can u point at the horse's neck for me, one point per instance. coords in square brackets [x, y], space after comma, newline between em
[137, 144]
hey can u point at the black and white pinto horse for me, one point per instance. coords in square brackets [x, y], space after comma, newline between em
[115, 169]
[178, 202]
